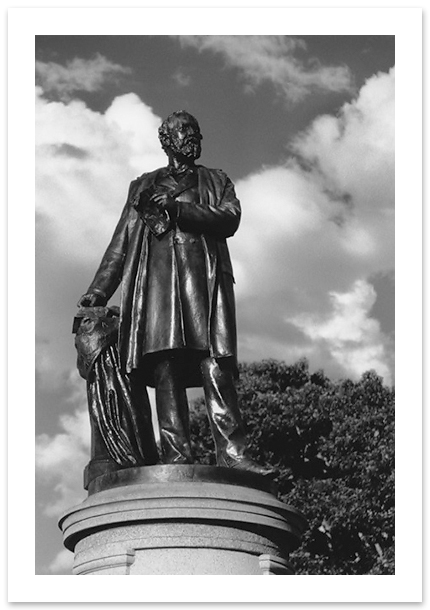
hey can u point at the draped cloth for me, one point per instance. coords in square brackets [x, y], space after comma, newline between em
[119, 409]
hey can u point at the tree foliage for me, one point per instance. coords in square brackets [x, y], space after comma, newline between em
[333, 443]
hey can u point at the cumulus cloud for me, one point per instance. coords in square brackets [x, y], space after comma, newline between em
[78, 75]
[314, 231]
[61, 457]
[354, 152]
[312, 227]
[280, 60]
[351, 337]
[62, 563]
[84, 163]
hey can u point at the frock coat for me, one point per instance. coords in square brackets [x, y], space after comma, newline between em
[177, 288]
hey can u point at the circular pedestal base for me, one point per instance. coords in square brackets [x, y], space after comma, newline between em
[181, 520]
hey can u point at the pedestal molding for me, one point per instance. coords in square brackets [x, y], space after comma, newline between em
[187, 519]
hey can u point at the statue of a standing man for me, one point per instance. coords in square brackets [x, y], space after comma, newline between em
[177, 316]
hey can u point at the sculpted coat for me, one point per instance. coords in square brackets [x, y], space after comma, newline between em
[141, 261]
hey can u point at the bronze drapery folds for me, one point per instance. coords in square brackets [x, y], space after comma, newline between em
[120, 417]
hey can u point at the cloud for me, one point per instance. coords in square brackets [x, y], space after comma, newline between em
[348, 334]
[182, 78]
[84, 163]
[61, 457]
[315, 230]
[78, 75]
[280, 60]
[311, 227]
[354, 152]
[62, 563]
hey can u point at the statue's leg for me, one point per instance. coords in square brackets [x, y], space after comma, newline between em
[140, 410]
[225, 419]
[172, 411]
[223, 411]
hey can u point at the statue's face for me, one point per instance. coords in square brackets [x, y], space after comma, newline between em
[185, 138]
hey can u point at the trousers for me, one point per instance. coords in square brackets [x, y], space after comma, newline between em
[221, 404]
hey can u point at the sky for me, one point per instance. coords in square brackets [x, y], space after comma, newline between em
[303, 125]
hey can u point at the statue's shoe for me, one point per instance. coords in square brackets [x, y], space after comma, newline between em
[245, 463]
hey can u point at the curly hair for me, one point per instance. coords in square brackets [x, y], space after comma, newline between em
[166, 126]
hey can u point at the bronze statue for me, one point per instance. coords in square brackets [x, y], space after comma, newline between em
[177, 325]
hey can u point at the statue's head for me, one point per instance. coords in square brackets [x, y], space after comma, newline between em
[180, 134]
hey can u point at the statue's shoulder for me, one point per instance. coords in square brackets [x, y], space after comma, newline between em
[217, 175]
[146, 177]
[212, 170]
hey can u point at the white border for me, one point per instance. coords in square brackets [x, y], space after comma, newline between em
[405, 24]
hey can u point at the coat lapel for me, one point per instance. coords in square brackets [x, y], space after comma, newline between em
[187, 182]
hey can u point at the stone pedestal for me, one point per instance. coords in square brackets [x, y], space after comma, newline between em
[181, 520]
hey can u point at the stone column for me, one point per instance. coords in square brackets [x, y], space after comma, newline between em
[184, 519]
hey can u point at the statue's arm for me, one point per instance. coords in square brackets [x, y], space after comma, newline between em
[220, 220]
[109, 273]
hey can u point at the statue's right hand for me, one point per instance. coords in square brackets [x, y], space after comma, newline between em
[91, 300]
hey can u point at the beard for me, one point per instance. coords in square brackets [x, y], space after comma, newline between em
[189, 148]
